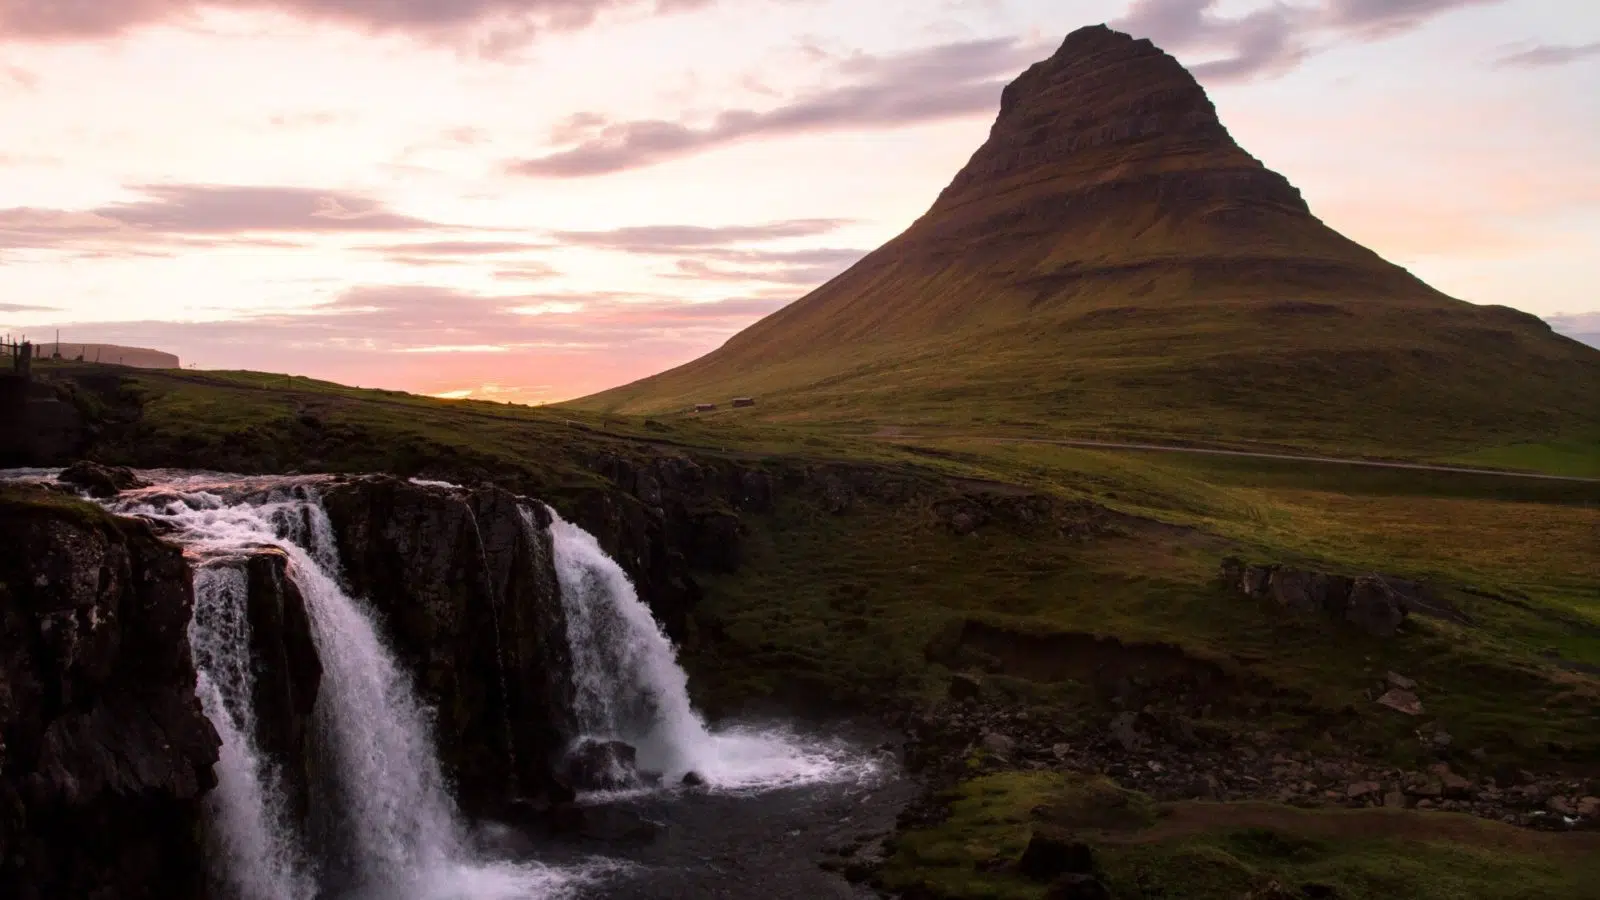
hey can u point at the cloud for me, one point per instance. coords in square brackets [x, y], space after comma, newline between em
[1549, 55]
[1583, 327]
[677, 238]
[1276, 37]
[926, 85]
[490, 25]
[23, 308]
[202, 215]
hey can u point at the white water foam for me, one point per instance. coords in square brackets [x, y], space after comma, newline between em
[629, 687]
[392, 802]
[252, 845]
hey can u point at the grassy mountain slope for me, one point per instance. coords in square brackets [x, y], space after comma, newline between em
[1111, 263]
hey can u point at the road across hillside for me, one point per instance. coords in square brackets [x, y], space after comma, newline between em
[1256, 454]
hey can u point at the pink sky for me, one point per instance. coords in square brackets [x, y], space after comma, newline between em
[530, 200]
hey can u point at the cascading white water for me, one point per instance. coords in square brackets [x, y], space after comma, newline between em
[390, 798]
[251, 840]
[628, 686]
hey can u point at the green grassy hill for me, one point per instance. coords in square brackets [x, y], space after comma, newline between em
[1111, 263]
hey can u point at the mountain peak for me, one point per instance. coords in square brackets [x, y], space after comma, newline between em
[1112, 261]
[1108, 108]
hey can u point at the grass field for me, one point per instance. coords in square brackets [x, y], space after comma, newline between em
[1214, 851]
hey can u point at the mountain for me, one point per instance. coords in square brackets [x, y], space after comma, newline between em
[1111, 262]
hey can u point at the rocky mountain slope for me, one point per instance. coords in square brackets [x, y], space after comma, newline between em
[1112, 261]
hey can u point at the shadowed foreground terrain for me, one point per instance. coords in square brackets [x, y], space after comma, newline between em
[1029, 611]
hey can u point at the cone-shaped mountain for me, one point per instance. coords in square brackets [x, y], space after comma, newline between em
[1111, 262]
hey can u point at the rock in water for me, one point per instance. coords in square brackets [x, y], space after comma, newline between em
[603, 766]
[99, 481]
[693, 780]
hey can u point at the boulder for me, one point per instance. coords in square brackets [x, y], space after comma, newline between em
[1374, 607]
[999, 745]
[964, 687]
[602, 766]
[1396, 680]
[1051, 853]
[693, 780]
[1402, 702]
[99, 481]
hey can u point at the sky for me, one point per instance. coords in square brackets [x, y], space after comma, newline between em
[531, 200]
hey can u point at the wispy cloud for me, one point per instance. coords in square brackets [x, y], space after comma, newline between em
[183, 214]
[678, 238]
[1542, 55]
[1276, 37]
[490, 25]
[890, 91]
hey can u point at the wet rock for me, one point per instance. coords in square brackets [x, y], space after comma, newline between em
[693, 780]
[99, 481]
[602, 766]
[105, 754]
[466, 590]
[1402, 702]
[1051, 853]
[288, 673]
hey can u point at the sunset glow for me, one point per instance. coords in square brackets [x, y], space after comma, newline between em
[530, 200]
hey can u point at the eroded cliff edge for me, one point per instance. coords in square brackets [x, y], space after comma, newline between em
[104, 751]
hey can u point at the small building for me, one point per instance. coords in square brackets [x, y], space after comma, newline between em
[739, 402]
[704, 407]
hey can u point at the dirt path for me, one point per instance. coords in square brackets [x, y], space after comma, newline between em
[1322, 460]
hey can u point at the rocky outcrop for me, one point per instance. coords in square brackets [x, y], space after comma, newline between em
[1111, 120]
[99, 481]
[288, 674]
[106, 753]
[1376, 604]
[467, 591]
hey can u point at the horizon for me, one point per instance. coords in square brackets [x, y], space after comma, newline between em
[404, 203]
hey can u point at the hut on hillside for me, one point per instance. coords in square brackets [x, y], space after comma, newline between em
[739, 402]
[704, 407]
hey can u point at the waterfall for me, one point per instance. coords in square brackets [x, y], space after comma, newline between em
[258, 857]
[628, 686]
[388, 807]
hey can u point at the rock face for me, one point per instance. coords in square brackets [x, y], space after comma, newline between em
[1376, 604]
[468, 594]
[288, 673]
[106, 753]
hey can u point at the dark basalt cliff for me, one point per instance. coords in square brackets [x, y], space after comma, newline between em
[468, 594]
[105, 752]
